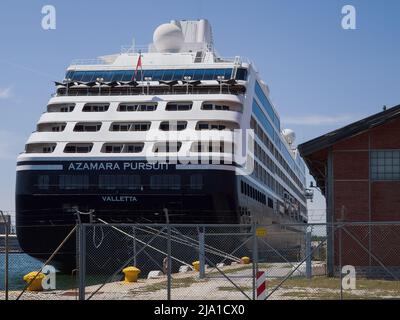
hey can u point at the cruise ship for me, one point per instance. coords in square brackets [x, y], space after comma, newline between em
[171, 126]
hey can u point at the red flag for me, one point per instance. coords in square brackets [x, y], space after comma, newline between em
[139, 64]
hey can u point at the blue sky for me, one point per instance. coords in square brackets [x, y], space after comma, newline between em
[321, 76]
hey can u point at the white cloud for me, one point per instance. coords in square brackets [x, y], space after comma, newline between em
[317, 120]
[5, 93]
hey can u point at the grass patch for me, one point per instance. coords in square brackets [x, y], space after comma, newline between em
[233, 270]
[326, 295]
[333, 283]
[238, 268]
[234, 289]
[175, 284]
[309, 295]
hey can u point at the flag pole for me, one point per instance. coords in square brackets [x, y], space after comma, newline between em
[141, 70]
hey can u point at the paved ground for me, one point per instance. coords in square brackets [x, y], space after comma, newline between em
[216, 286]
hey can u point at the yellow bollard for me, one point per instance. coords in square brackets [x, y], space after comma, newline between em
[245, 260]
[36, 284]
[131, 274]
[196, 265]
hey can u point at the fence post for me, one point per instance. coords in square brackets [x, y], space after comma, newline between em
[255, 261]
[82, 260]
[202, 258]
[5, 254]
[308, 255]
[169, 264]
[340, 262]
[134, 247]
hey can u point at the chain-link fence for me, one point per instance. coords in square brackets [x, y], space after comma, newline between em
[203, 262]
[35, 260]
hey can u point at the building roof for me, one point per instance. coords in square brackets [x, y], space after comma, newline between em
[315, 151]
[355, 128]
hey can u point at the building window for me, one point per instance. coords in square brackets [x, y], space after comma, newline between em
[385, 165]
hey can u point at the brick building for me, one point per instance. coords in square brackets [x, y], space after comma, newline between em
[357, 169]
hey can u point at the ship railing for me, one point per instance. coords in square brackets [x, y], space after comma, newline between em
[237, 60]
[98, 61]
[187, 47]
[151, 92]
[132, 49]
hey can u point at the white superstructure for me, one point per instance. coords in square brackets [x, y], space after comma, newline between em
[114, 107]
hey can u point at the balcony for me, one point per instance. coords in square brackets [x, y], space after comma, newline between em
[231, 87]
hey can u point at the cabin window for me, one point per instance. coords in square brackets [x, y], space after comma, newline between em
[60, 107]
[78, 148]
[122, 148]
[124, 182]
[219, 107]
[173, 125]
[51, 127]
[196, 182]
[216, 125]
[87, 127]
[95, 107]
[156, 75]
[212, 146]
[167, 147]
[43, 182]
[58, 128]
[136, 107]
[130, 126]
[72, 182]
[179, 106]
[40, 147]
[165, 182]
